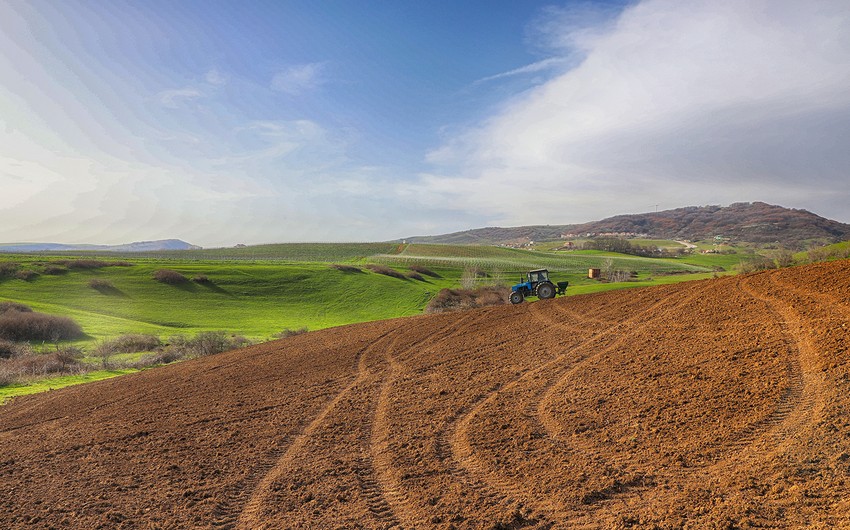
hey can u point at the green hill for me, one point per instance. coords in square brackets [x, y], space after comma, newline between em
[258, 292]
[272, 287]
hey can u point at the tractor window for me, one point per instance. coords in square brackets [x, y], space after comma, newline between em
[539, 276]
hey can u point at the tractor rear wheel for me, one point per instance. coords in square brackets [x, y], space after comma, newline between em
[516, 297]
[545, 290]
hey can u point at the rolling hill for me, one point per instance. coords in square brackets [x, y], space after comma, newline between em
[755, 222]
[138, 246]
[713, 404]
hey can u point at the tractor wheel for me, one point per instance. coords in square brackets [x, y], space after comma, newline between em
[545, 290]
[516, 297]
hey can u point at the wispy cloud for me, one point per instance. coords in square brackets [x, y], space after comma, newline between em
[549, 64]
[299, 79]
[267, 141]
[174, 98]
[215, 77]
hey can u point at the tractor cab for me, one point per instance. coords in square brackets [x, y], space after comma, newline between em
[538, 276]
[537, 284]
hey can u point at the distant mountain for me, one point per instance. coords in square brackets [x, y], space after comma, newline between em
[139, 246]
[755, 222]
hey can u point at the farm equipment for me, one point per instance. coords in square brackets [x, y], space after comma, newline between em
[537, 284]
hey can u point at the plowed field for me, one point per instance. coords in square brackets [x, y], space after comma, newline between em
[716, 404]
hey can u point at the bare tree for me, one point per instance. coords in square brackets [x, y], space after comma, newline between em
[608, 268]
[469, 278]
[783, 258]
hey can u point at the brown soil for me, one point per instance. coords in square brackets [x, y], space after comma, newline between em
[714, 404]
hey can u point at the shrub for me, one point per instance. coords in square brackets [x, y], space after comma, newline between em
[759, 264]
[201, 278]
[291, 332]
[100, 284]
[8, 269]
[386, 271]
[170, 277]
[345, 268]
[423, 270]
[27, 326]
[459, 299]
[163, 357]
[14, 306]
[86, 264]
[26, 275]
[129, 343]
[30, 365]
[783, 258]
[817, 254]
[54, 270]
[206, 343]
[7, 349]
[415, 276]
[13, 349]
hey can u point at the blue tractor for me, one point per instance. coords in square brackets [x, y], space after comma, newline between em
[537, 284]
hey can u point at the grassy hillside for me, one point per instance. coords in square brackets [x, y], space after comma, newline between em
[256, 300]
[260, 297]
[266, 290]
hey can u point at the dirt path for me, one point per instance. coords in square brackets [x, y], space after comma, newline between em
[715, 404]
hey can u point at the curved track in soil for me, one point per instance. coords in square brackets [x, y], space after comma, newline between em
[716, 404]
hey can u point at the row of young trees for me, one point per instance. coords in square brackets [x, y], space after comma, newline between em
[624, 246]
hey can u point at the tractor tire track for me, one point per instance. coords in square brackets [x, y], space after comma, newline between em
[249, 516]
[386, 480]
[457, 434]
[756, 442]
[599, 343]
[805, 390]
[621, 492]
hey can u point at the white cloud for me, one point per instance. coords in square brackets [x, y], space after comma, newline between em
[674, 103]
[299, 79]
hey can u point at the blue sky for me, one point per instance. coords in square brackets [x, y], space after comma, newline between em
[250, 122]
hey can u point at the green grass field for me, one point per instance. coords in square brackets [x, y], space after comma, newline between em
[260, 291]
[55, 383]
[253, 299]
[260, 297]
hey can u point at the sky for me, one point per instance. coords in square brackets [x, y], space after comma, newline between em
[224, 122]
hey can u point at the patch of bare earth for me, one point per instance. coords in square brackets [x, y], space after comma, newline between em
[715, 404]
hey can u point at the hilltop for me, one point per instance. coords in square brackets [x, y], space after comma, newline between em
[713, 404]
[755, 222]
